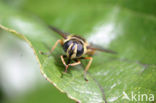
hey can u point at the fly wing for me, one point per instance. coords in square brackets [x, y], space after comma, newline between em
[99, 48]
[63, 34]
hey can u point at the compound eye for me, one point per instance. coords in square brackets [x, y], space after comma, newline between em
[80, 50]
[66, 45]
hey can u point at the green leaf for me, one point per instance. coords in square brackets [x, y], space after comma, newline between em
[129, 30]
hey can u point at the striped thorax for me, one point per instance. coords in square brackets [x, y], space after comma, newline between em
[75, 46]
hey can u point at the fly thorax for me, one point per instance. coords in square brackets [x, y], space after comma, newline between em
[73, 49]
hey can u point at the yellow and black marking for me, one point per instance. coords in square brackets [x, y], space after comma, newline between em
[76, 48]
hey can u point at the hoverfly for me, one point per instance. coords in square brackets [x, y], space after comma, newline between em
[76, 49]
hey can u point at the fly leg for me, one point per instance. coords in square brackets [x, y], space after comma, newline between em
[52, 49]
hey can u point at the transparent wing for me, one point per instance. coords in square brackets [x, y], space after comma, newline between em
[63, 34]
[99, 48]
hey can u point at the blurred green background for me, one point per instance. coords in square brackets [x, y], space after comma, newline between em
[20, 77]
[134, 23]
